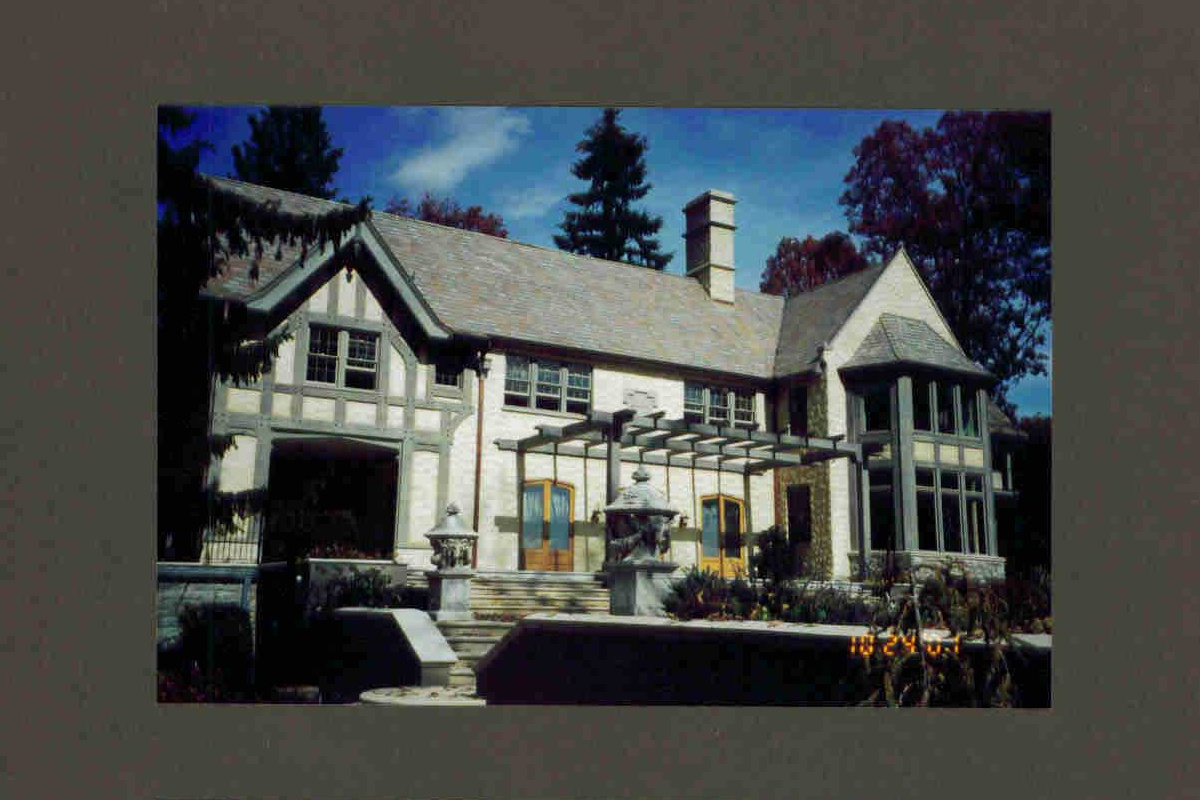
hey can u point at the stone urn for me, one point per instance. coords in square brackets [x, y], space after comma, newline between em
[638, 525]
[450, 581]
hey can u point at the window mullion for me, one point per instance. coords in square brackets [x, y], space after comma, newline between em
[343, 349]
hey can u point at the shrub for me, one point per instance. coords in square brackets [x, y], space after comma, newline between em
[701, 594]
[213, 657]
[363, 588]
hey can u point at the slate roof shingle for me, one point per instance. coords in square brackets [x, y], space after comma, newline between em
[484, 285]
[902, 340]
[811, 319]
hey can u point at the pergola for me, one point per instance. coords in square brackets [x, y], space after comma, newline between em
[648, 438]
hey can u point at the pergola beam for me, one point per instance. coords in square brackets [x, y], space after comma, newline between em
[583, 451]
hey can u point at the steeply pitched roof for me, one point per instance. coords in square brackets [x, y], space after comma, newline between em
[903, 340]
[484, 285]
[811, 319]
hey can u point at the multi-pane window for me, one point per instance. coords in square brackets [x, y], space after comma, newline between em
[716, 405]
[516, 381]
[359, 368]
[447, 375]
[361, 359]
[693, 402]
[743, 408]
[579, 389]
[547, 385]
[322, 354]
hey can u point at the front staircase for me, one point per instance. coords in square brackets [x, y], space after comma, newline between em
[499, 599]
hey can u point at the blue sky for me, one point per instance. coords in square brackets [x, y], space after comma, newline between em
[785, 166]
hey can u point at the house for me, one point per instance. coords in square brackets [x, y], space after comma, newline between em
[429, 365]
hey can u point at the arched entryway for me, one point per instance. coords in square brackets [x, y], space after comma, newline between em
[330, 497]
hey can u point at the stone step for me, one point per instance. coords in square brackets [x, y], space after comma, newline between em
[473, 627]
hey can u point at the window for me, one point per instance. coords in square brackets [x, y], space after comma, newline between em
[693, 403]
[322, 354]
[448, 376]
[361, 357]
[717, 405]
[877, 409]
[579, 389]
[922, 410]
[516, 381]
[798, 410]
[927, 538]
[358, 370]
[547, 385]
[743, 408]
[951, 521]
[883, 511]
[970, 416]
[946, 396]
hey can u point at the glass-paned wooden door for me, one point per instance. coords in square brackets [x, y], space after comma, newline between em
[547, 534]
[722, 527]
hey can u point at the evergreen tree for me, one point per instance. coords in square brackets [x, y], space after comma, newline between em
[289, 148]
[607, 226]
[200, 226]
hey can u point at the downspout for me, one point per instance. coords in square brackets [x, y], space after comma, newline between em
[482, 368]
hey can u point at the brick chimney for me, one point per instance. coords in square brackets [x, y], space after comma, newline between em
[709, 235]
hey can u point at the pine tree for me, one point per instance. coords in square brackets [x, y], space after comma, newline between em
[200, 339]
[289, 148]
[607, 226]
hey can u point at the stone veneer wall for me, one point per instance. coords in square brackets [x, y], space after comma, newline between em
[816, 477]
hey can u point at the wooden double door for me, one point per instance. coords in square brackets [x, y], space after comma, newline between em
[547, 526]
[722, 533]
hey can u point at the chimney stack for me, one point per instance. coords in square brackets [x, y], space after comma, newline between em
[709, 235]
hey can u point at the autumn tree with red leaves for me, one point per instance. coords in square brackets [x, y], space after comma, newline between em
[800, 266]
[969, 200]
[445, 211]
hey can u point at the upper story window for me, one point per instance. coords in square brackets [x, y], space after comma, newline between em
[447, 376]
[547, 385]
[362, 356]
[957, 408]
[798, 410]
[716, 405]
[343, 357]
[877, 409]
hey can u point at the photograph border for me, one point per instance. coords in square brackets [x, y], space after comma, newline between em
[81, 430]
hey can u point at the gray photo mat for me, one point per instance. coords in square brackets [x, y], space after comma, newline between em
[78, 147]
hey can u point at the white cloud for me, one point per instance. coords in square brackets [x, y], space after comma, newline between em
[469, 138]
[531, 203]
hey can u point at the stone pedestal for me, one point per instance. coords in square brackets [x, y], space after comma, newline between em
[637, 588]
[450, 593]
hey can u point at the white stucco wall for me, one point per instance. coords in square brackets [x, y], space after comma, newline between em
[498, 546]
